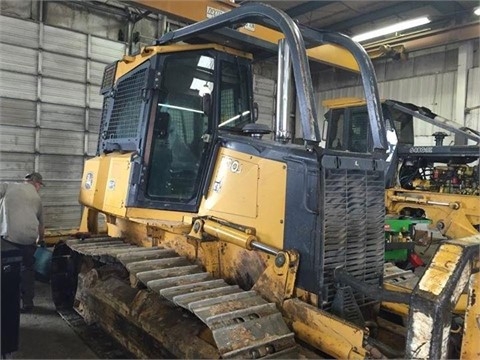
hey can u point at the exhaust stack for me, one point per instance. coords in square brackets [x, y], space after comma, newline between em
[283, 127]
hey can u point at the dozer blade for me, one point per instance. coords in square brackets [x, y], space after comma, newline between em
[242, 323]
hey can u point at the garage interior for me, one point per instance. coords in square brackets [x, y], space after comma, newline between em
[53, 57]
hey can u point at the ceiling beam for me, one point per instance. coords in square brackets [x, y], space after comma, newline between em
[307, 7]
[448, 7]
[434, 38]
[378, 14]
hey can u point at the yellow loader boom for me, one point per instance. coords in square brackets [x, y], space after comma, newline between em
[455, 216]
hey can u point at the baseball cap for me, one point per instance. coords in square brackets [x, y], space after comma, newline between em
[35, 177]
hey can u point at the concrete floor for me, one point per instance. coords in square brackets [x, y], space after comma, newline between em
[45, 335]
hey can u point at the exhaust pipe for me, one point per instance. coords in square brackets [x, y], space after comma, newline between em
[283, 128]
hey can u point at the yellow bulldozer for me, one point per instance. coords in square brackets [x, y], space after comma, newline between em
[440, 182]
[225, 243]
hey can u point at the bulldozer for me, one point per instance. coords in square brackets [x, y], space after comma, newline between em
[224, 243]
[438, 182]
[434, 184]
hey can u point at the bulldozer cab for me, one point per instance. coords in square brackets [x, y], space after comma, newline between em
[183, 127]
[176, 103]
[171, 103]
[417, 162]
[179, 135]
[347, 126]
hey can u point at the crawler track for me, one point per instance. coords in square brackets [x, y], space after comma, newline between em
[242, 323]
[97, 340]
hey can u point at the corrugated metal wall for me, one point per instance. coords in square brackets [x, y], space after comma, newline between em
[50, 104]
[473, 99]
[436, 92]
[428, 79]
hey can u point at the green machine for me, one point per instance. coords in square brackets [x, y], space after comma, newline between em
[400, 236]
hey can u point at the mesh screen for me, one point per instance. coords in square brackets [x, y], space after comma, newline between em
[227, 105]
[353, 223]
[125, 115]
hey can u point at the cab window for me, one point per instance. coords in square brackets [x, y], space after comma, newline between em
[180, 123]
[349, 130]
[234, 97]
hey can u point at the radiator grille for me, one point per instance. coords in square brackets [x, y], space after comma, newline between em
[353, 229]
[125, 116]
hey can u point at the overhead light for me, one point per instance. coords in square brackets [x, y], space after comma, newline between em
[477, 11]
[392, 29]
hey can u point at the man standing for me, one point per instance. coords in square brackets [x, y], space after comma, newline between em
[21, 224]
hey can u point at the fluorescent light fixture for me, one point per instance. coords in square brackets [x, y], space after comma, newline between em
[477, 11]
[392, 29]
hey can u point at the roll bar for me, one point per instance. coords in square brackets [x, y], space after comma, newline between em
[267, 15]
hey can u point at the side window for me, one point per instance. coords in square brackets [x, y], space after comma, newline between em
[336, 140]
[403, 124]
[359, 132]
[349, 130]
[177, 143]
[234, 97]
